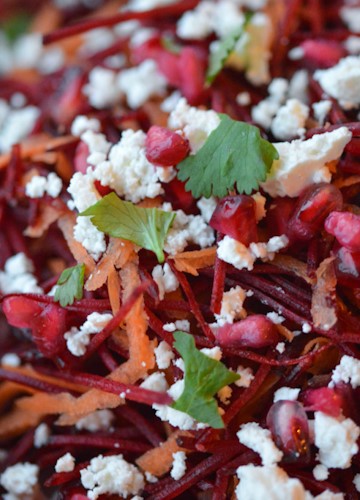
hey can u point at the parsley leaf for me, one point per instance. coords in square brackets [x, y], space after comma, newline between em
[234, 154]
[146, 227]
[204, 377]
[225, 46]
[16, 26]
[70, 285]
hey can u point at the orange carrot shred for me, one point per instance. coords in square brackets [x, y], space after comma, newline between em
[190, 262]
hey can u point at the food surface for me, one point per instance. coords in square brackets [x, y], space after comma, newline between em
[180, 249]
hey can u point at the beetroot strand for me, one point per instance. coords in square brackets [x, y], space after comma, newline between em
[26, 380]
[98, 441]
[142, 424]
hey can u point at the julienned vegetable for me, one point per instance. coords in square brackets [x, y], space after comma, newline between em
[180, 260]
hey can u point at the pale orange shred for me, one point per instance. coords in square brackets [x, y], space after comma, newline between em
[156, 115]
[293, 265]
[190, 262]
[47, 215]
[158, 461]
[285, 332]
[314, 344]
[16, 422]
[63, 166]
[342, 182]
[323, 302]
[8, 390]
[47, 157]
[150, 202]
[47, 19]
[113, 285]
[66, 224]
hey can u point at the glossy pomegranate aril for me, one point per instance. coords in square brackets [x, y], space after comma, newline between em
[255, 331]
[192, 69]
[313, 206]
[278, 216]
[289, 427]
[235, 216]
[20, 311]
[347, 267]
[323, 399]
[164, 147]
[345, 226]
[322, 53]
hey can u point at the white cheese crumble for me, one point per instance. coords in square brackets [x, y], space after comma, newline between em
[306, 328]
[342, 81]
[17, 276]
[196, 124]
[286, 394]
[10, 359]
[235, 253]
[39, 185]
[179, 324]
[246, 376]
[178, 468]
[20, 479]
[90, 237]
[276, 318]
[141, 82]
[165, 279]
[83, 191]
[321, 110]
[232, 306]
[101, 89]
[290, 120]
[357, 482]
[148, 4]
[66, 463]
[280, 347]
[155, 382]
[352, 45]
[320, 472]
[41, 435]
[99, 420]
[258, 439]
[348, 371]
[299, 86]
[206, 207]
[111, 475]
[78, 339]
[18, 125]
[83, 123]
[336, 440]
[351, 17]
[163, 355]
[303, 163]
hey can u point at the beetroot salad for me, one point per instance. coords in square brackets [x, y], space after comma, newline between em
[180, 249]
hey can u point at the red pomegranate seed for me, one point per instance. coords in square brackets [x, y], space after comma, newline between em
[323, 399]
[235, 216]
[289, 426]
[103, 190]
[255, 331]
[180, 198]
[347, 267]
[345, 226]
[313, 206]
[322, 53]
[164, 147]
[278, 215]
[192, 69]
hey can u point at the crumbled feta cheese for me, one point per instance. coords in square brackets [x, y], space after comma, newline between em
[39, 185]
[320, 472]
[290, 120]
[306, 328]
[170, 103]
[303, 163]
[243, 99]
[18, 125]
[20, 479]
[96, 421]
[260, 211]
[352, 45]
[83, 191]
[235, 253]
[258, 439]
[179, 324]
[336, 440]
[232, 306]
[41, 435]
[17, 276]
[351, 17]
[163, 355]
[286, 394]
[127, 171]
[280, 347]
[18, 100]
[342, 81]
[246, 376]
[78, 339]
[178, 468]
[299, 85]
[264, 112]
[296, 53]
[276, 318]
[198, 23]
[141, 36]
[141, 82]
[321, 110]
[10, 359]
[148, 4]
[150, 478]
[90, 237]
[102, 89]
[165, 279]
[83, 123]
[348, 371]
[213, 353]
[197, 124]
[155, 382]
[66, 463]
[357, 482]
[206, 207]
[96, 40]
[111, 475]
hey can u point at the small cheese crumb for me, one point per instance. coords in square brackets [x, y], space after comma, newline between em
[165, 279]
[232, 306]
[235, 253]
[280, 347]
[357, 482]
[41, 435]
[20, 479]
[290, 120]
[10, 359]
[321, 110]
[348, 371]
[276, 318]
[320, 472]
[258, 439]
[286, 394]
[246, 376]
[83, 123]
[179, 324]
[99, 420]
[178, 466]
[155, 382]
[164, 355]
[78, 339]
[38, 186]
[66, 463]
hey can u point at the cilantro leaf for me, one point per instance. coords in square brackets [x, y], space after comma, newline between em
[16, 26]
[146, 227]
[225, 46]
[70, 285]
[204, 377]
[234, 154]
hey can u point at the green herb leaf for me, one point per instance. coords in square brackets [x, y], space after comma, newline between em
[169, 44]
[234, 155]
[225, 46]
[204, 377]
[70, 285]
[16, 26]
[146, 227]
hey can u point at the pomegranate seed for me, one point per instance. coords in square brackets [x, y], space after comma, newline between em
[164, 147]
[278, 215]
[345, 226]
[235, 216]
[81, 155]
[322, 53]
[192, 75]
[323, 399]
[255, 331]
[347, 267]
[168, 64]
[289, 426]
[103, 190]
[313, 206]
[180, 198]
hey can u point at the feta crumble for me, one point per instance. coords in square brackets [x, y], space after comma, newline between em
[178, 468]
[165, 279]
[290, 120]
[20, 479]
[39, 185]
[357, 482]
[321, 110]
[163, 355]
[232, 306]
[179, 324]
[348, 371]
[90, 237]
[155, 382]
[66, 463]
[18, 125]
[83, 123]
[111, 475]
[17, 276]
[320, 472]
[101, 89]
[235, 253]
[99, 420]
[10, 359]
[258, 439]
[78, 339]
[41, 435]
[286, 394]
[246, 376]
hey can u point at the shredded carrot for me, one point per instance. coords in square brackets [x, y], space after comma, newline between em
[8, 390]
[47, 215]
[293, 265]
[113, 284]
[323, 302]
[285, 332]
[190, 262]
[47, 157]
[156, 115]
[47, 19]
[63, 166]
[314, 344]
[16, 422]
